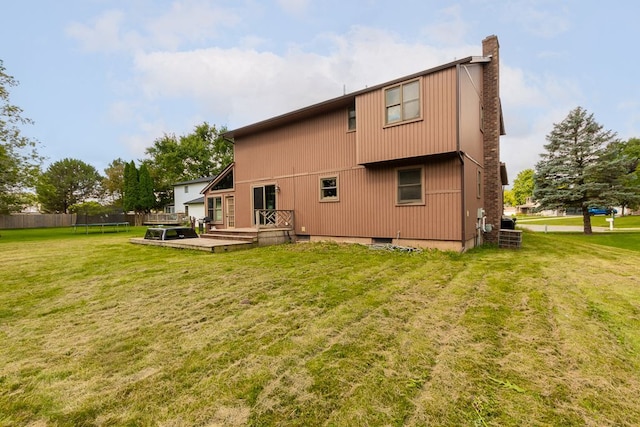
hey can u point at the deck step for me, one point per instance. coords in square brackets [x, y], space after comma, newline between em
[243, 237]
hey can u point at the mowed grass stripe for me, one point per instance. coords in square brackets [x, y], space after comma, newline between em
[107, 333]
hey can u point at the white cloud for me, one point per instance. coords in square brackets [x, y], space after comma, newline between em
[531, 105]
[294, 7]
[189, 21]
[104, 35]
[449, 29]
[542, 18]
[186, 22]
[245, 85]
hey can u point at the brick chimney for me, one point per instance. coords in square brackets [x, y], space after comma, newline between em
[492, 130]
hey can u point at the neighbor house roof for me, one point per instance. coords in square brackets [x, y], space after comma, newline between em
[341, 101]
[195, 201]
[195, 181]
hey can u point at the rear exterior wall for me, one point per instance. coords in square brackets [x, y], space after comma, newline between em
[295, 157]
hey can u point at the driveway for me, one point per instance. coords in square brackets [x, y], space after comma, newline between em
[560, 228]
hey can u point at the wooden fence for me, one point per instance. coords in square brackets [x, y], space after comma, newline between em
[36, 220]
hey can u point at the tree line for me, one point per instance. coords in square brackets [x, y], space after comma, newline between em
[71, 185]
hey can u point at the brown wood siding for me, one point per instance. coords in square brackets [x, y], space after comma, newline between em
[470, 104]
[320, 143]
[434, 133]
[472, 202]
[367, 205]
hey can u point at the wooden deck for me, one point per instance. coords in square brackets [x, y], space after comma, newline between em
[226, 240]
[207, 245]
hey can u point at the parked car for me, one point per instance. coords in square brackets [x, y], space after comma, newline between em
[602, 211]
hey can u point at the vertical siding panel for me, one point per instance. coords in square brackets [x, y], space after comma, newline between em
[435, 133]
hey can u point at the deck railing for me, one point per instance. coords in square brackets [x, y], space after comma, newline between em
[273, 218]
[164, 218]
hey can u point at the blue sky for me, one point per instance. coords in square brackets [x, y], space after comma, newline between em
[103, 79]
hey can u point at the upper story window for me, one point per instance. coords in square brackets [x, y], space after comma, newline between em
[402, 102]
[351, 117]
[186, 189]
[329, 189]
[225, 183]
[410, 186]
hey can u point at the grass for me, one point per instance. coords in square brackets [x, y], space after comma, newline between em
[97, 331]
[631, 221]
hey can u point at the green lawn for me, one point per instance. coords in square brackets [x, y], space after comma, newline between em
[97, 331]
[596, 221]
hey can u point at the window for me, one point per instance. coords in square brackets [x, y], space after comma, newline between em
[402, 102]
[329, 189]
[410, 186]
[351, 117]
[214, 209]
[225, 183]
[479, 184]
[186, 189]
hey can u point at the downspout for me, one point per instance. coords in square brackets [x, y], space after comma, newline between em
[461, 157]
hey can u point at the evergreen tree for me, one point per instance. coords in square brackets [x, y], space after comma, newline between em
[147, 198]
[130, 197]
[575, 171]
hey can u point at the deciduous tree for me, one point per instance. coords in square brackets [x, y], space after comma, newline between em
[523, 186]
[19, 159]
[113, 183]
[67, 182]
[202, 153]
[629, 154]
[575, 171]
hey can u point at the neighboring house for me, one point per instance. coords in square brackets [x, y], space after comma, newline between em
[187, 197]
[415, 162]
[528, 207]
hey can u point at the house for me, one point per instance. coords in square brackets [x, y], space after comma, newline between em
[187, 197]
[413, 162]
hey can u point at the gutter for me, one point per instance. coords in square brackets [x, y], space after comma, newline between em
[461, 157]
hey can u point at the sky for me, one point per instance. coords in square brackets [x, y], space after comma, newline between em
[103, 79]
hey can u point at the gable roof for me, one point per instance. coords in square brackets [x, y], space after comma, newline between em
[341, 101]
[218, 178]
[195, 201]
[195, 181]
